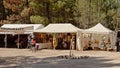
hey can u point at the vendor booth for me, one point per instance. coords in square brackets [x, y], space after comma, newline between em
[99, 37]
[59, 35]
[16, 34]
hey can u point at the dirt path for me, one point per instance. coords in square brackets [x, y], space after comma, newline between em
[24, 58]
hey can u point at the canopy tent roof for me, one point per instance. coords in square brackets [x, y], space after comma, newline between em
[19, 28]
[99, 28]
[59, 28]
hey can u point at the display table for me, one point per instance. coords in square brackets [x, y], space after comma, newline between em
[44, 45]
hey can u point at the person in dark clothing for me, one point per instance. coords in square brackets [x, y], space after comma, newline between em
[59, 45]
[118, 45]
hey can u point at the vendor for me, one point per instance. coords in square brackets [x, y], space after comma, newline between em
[54, 42]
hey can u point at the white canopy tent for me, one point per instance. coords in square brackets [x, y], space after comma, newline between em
[59, 28]
[100, 30]
[18, 29]
[62, 28]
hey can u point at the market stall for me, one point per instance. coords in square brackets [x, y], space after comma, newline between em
[11, 30]
[100, 36]
[62, 33]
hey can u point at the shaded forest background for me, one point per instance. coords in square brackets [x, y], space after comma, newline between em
[81, 13]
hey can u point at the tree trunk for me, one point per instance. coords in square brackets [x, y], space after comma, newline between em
[28, 18]
[3, 16]
[27, 3]
[89, 15]
[99, 11]
[48, 11]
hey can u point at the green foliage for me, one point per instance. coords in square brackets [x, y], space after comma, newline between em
[38, 19]
[107, 14]
[81, 13]
[110, 8]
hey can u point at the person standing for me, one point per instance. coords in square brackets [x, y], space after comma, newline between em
[33, 42]
[118, 45]
[29, 41]
[72, 43]
[54, 43]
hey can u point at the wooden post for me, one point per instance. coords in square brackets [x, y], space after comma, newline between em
[18, 40]
[5, 40]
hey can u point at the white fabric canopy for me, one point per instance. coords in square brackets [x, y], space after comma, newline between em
[62, 28]
[16, 26]
[19, 28]
[100, 31]
[99, 28]
[59, 28]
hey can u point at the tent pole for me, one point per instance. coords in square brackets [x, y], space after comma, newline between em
[18, 40]
[77, 48]
[5, 40]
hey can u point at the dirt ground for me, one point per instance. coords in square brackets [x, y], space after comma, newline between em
[46, 58]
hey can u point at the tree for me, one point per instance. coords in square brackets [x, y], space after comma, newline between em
[54, 11]
[110, 8]
[2, 12]
[86, 13]
[16, 11]
[81, 13]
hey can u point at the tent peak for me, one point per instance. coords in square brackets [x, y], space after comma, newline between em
[99, 28]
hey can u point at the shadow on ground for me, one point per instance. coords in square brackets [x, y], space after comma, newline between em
[55, 62]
